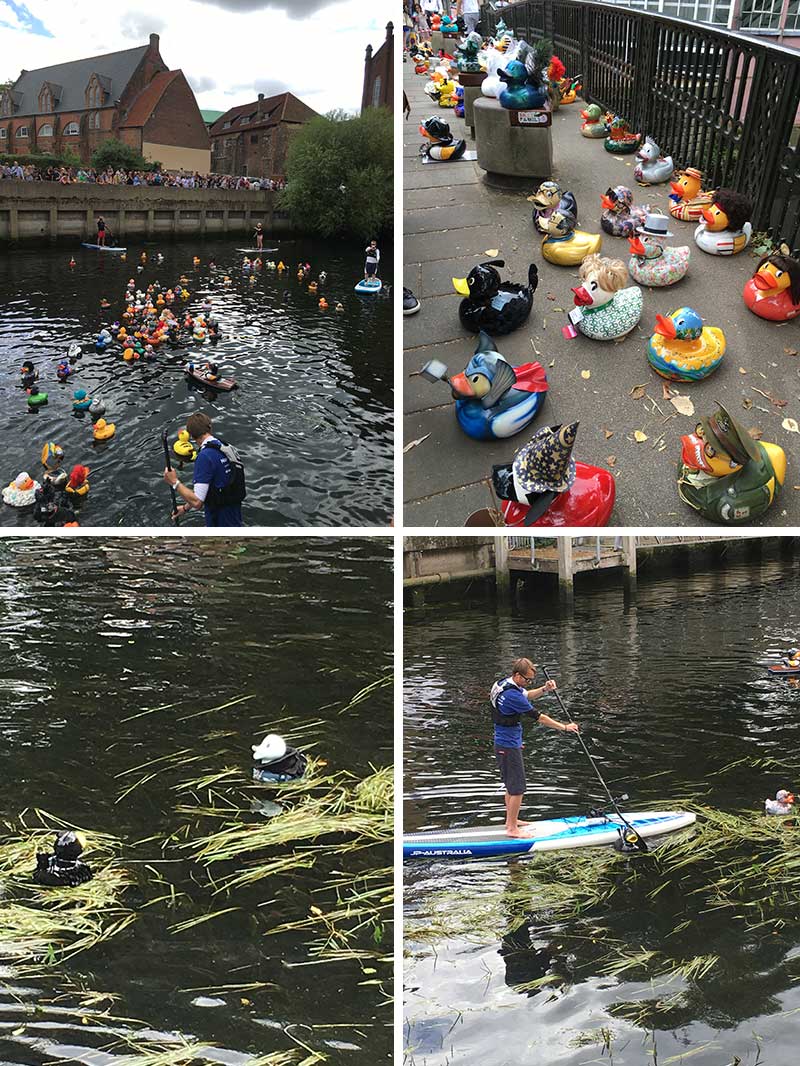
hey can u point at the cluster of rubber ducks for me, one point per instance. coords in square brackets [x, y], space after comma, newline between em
[55, 498]
[82, 403]
[313, 286]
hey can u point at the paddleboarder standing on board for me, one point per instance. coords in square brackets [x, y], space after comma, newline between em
[511, 698]
[101, 231]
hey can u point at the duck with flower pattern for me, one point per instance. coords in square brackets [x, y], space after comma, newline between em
[609, 309]
[650, 262]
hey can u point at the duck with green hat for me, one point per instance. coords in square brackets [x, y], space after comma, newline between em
[545, 486]
[726, 475]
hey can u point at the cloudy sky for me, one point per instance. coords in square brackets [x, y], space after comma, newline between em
[230, 50]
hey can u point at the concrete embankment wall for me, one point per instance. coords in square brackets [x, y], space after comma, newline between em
[36, 211]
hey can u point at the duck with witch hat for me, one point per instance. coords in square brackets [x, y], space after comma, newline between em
[493, 399]
[724, 474]
[274, 762]
[545, 486]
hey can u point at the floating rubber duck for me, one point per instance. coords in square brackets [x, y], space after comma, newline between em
[22, 491]
[63, 867]
[608, 309]
[594, 122]
[620, 218]
[64, 370]
[312, 288]
[687, 198]
[565, 245]
[143, 257]
[773, 292]
[37, 398]
[620, 139]
[493, 399]
[491, 305]
[275, 761]
[104, 303]
[196, 260]
[683, 349]
[323, 304]
[103, 430]
[726, 227]
[442, 147]
[545, 486]
[546, 199]
[78, 484]
[97, 407]
[52, 455]
[653, 167]
[80, 400]
[72, 263]
[29, 375]
[782, 804]
[184, 448]
[651, 263]
[281, 266]
[102, 340]
[339, 308]
[727, 476]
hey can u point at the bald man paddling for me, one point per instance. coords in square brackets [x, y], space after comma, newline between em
[511, 699]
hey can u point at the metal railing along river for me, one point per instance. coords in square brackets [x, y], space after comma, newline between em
[719, 101]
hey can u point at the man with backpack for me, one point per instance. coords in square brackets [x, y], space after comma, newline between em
[219, 486]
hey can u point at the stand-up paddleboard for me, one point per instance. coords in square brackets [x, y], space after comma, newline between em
[102, 247]
[371, 285]
[547, 835]
[256, 251]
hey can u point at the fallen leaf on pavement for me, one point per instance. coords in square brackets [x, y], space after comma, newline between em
[609, 433]
[492, 252]
[551, 296]
[637, 392]
[414, 443]
[755, 433]
[742, 370]
[586, 374]
[639, 437]
[551, 365]
[791, 425]
[665, 391]
[747, 403]
[790, 351]
[772, 399]
[683, 405]
[611, 460]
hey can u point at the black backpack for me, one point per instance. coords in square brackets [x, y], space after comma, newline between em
[234, 492]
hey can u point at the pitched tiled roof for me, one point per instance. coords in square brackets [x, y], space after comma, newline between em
[115, 70]
[145, 103]
[285, 107]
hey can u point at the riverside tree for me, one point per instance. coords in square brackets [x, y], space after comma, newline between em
[339, 172]
[116, 154]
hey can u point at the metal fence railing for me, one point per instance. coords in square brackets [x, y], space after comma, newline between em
[719, 101]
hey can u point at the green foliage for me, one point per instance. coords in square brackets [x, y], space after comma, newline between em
[113, 153]
[36, 159]
[340, 174]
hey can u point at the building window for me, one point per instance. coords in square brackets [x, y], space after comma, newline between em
[226, 125]
[3, 133]
[45, 100]
[254, 138]
[5, 104]
[71, 129]
[46, 130]
[244, 120]
[376, 92]
[22, 131]
[94, 120]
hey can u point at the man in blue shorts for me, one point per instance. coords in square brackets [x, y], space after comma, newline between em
[218, 477]
[511, 699]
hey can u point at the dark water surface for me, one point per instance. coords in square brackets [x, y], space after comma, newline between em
[95, 633]
[668, 691]
[312, 415]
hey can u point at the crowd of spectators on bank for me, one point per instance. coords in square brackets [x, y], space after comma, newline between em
[109, 176]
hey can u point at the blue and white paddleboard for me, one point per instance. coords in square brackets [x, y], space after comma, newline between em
[369, 286]
[257, 251]
[547, 835]
[102, 247]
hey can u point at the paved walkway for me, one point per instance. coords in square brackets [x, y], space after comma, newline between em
[452, 219]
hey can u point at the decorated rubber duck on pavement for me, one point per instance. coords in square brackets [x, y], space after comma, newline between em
[525, 81]
[773, 292]
[608, 309]
[459, 108]
[620, 139]
[594, 122]
[494, 400]
[545, 486]
[653, 167]
[687, 198]
[726, 475]
[449, 25]
[494, 306]
[620, 218]
[441, 146]
[651, 263]
[683, 349]
[546, 199]
[447, 93]
[725, 228]
[491, 84]
[467, 54]
[564, 245]
[569, 89]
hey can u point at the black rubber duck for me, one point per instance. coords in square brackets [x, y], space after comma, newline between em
[493, 305]
[63, 867]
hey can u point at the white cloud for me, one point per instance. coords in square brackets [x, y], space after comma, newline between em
[320, 59]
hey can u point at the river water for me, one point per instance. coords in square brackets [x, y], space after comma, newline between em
[312, 415]
[95, 633]
[668, 691]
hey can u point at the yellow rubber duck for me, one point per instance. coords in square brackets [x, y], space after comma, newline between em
[123, 256]
[682, 348]
[323, 304]
[184, 448]
[143, 257]
[688, 199]
[564, 245]
[196, 260]
[281, 266]
[312, 287]
[184, 294]
[103, 430]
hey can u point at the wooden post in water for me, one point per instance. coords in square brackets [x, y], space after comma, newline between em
[629, 569]
[502, 575]
[566, 579]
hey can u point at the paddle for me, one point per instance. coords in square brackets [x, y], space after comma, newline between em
[171, 488]
[630, 838]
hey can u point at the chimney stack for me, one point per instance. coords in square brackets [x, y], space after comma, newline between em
[260, 103]
[389, 30]
[154, 39]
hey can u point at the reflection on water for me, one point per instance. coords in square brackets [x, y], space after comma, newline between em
[669, 692]
[312, 414]
[129, 650]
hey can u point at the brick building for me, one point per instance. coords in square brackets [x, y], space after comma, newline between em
[130, 95]
[379, 74]
[253, 138]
